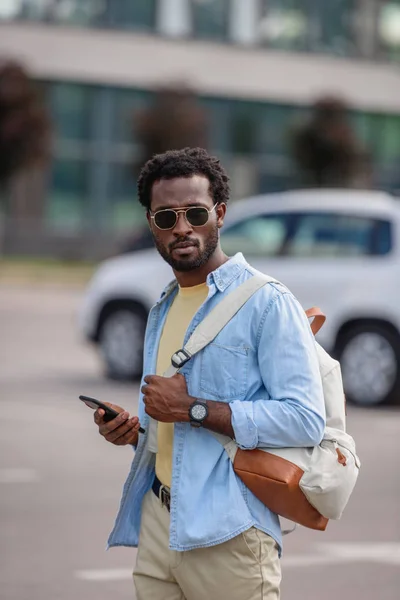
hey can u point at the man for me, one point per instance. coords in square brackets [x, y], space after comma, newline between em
[201, 534]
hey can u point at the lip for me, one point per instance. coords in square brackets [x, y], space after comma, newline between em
[183, 245]
[184, 249]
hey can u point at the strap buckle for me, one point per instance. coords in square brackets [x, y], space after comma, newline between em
[165, 497]
[180, 358]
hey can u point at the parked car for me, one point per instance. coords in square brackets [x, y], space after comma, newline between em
[337, 249]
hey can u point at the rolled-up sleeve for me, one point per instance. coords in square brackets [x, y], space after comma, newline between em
[292, 412]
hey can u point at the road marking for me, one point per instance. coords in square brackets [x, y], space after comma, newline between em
[18, 475]
[326, 554]
[105, 574]
[342, 553]
[384, 552]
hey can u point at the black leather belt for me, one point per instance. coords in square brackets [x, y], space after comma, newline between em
[162, 492]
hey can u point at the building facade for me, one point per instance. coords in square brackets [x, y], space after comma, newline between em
[257, 65]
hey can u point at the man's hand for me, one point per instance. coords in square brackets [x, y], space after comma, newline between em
[120, 431]
[166, 398]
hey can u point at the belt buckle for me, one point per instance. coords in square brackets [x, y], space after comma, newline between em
[165, 497]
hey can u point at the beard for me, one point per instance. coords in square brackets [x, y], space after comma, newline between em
[195, 262]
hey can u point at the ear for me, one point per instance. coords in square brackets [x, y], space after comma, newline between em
[148, 218]
[221, 210]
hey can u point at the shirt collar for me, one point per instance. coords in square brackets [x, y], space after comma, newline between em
[228, 272]
[222, 277]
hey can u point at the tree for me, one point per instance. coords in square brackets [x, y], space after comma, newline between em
[326, 150]
[174, 121]
[24, 124]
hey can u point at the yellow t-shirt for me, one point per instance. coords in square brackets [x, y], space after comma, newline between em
[185, 305]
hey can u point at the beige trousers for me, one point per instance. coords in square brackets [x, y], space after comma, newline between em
[246, 567]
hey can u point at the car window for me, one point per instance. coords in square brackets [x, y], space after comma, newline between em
[336, 235]
[263, 235]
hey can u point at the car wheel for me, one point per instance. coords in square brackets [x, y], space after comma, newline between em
[121, 338]
[370, 361]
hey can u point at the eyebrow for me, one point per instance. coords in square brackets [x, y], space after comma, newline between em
[188, 205]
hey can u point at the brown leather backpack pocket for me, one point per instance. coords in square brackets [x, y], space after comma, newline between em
[275, 481]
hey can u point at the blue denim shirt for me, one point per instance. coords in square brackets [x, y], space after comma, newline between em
[264, 364]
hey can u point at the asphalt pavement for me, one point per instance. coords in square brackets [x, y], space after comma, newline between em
[60, 483]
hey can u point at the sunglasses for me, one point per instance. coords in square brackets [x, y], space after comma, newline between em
[196, 216]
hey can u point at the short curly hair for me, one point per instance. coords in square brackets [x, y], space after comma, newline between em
[183, 163]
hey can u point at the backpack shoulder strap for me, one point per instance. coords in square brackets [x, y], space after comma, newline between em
[216, 320]
[204, 333]
[318, 317]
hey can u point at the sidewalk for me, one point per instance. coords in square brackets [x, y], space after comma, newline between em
[44, 273]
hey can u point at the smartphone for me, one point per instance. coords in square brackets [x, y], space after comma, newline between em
[109, 413]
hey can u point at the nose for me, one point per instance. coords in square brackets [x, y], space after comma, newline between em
[182, 226]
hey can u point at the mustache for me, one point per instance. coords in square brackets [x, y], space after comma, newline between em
[185, 240]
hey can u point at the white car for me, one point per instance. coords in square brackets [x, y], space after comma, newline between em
[337, 249]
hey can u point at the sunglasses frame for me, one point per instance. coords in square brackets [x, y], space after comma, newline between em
[183, 210]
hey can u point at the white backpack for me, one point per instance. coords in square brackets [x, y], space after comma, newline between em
[330, 470]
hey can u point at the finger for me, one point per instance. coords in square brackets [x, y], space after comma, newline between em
[136, 423]
[143, 389]
[181, 378]
[120, 432]
[130, 437]
[98, 416]
[106, 428]
[150, 378]
[149, 409]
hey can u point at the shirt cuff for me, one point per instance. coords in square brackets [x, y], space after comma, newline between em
[243, 425]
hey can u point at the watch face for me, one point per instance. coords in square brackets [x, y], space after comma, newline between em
[198, 412]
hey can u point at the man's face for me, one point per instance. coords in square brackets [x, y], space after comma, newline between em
[185, 247]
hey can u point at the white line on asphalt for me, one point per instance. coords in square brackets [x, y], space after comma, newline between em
[18, 475]
[328, 554]
[383, 552]
[105, 574]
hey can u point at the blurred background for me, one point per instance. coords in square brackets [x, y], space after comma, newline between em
[301, 101]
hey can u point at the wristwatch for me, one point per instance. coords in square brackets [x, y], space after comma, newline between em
[198, 411]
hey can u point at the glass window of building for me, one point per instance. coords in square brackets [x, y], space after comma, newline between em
[68, 200]
[210, 18]
[125, 213]
[71, 108]
[308, 25]
[132, 14]
[127, 105]
[244, 126]
[74, 12]
[217, 123]
[390, 147]
[284, 24]
[388, 29]
[121, 14]
[79, 12]
[382, 141]
[333, 27]
[274, 125]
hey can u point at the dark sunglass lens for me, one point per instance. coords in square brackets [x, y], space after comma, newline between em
[197, 216]
[165, 219]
